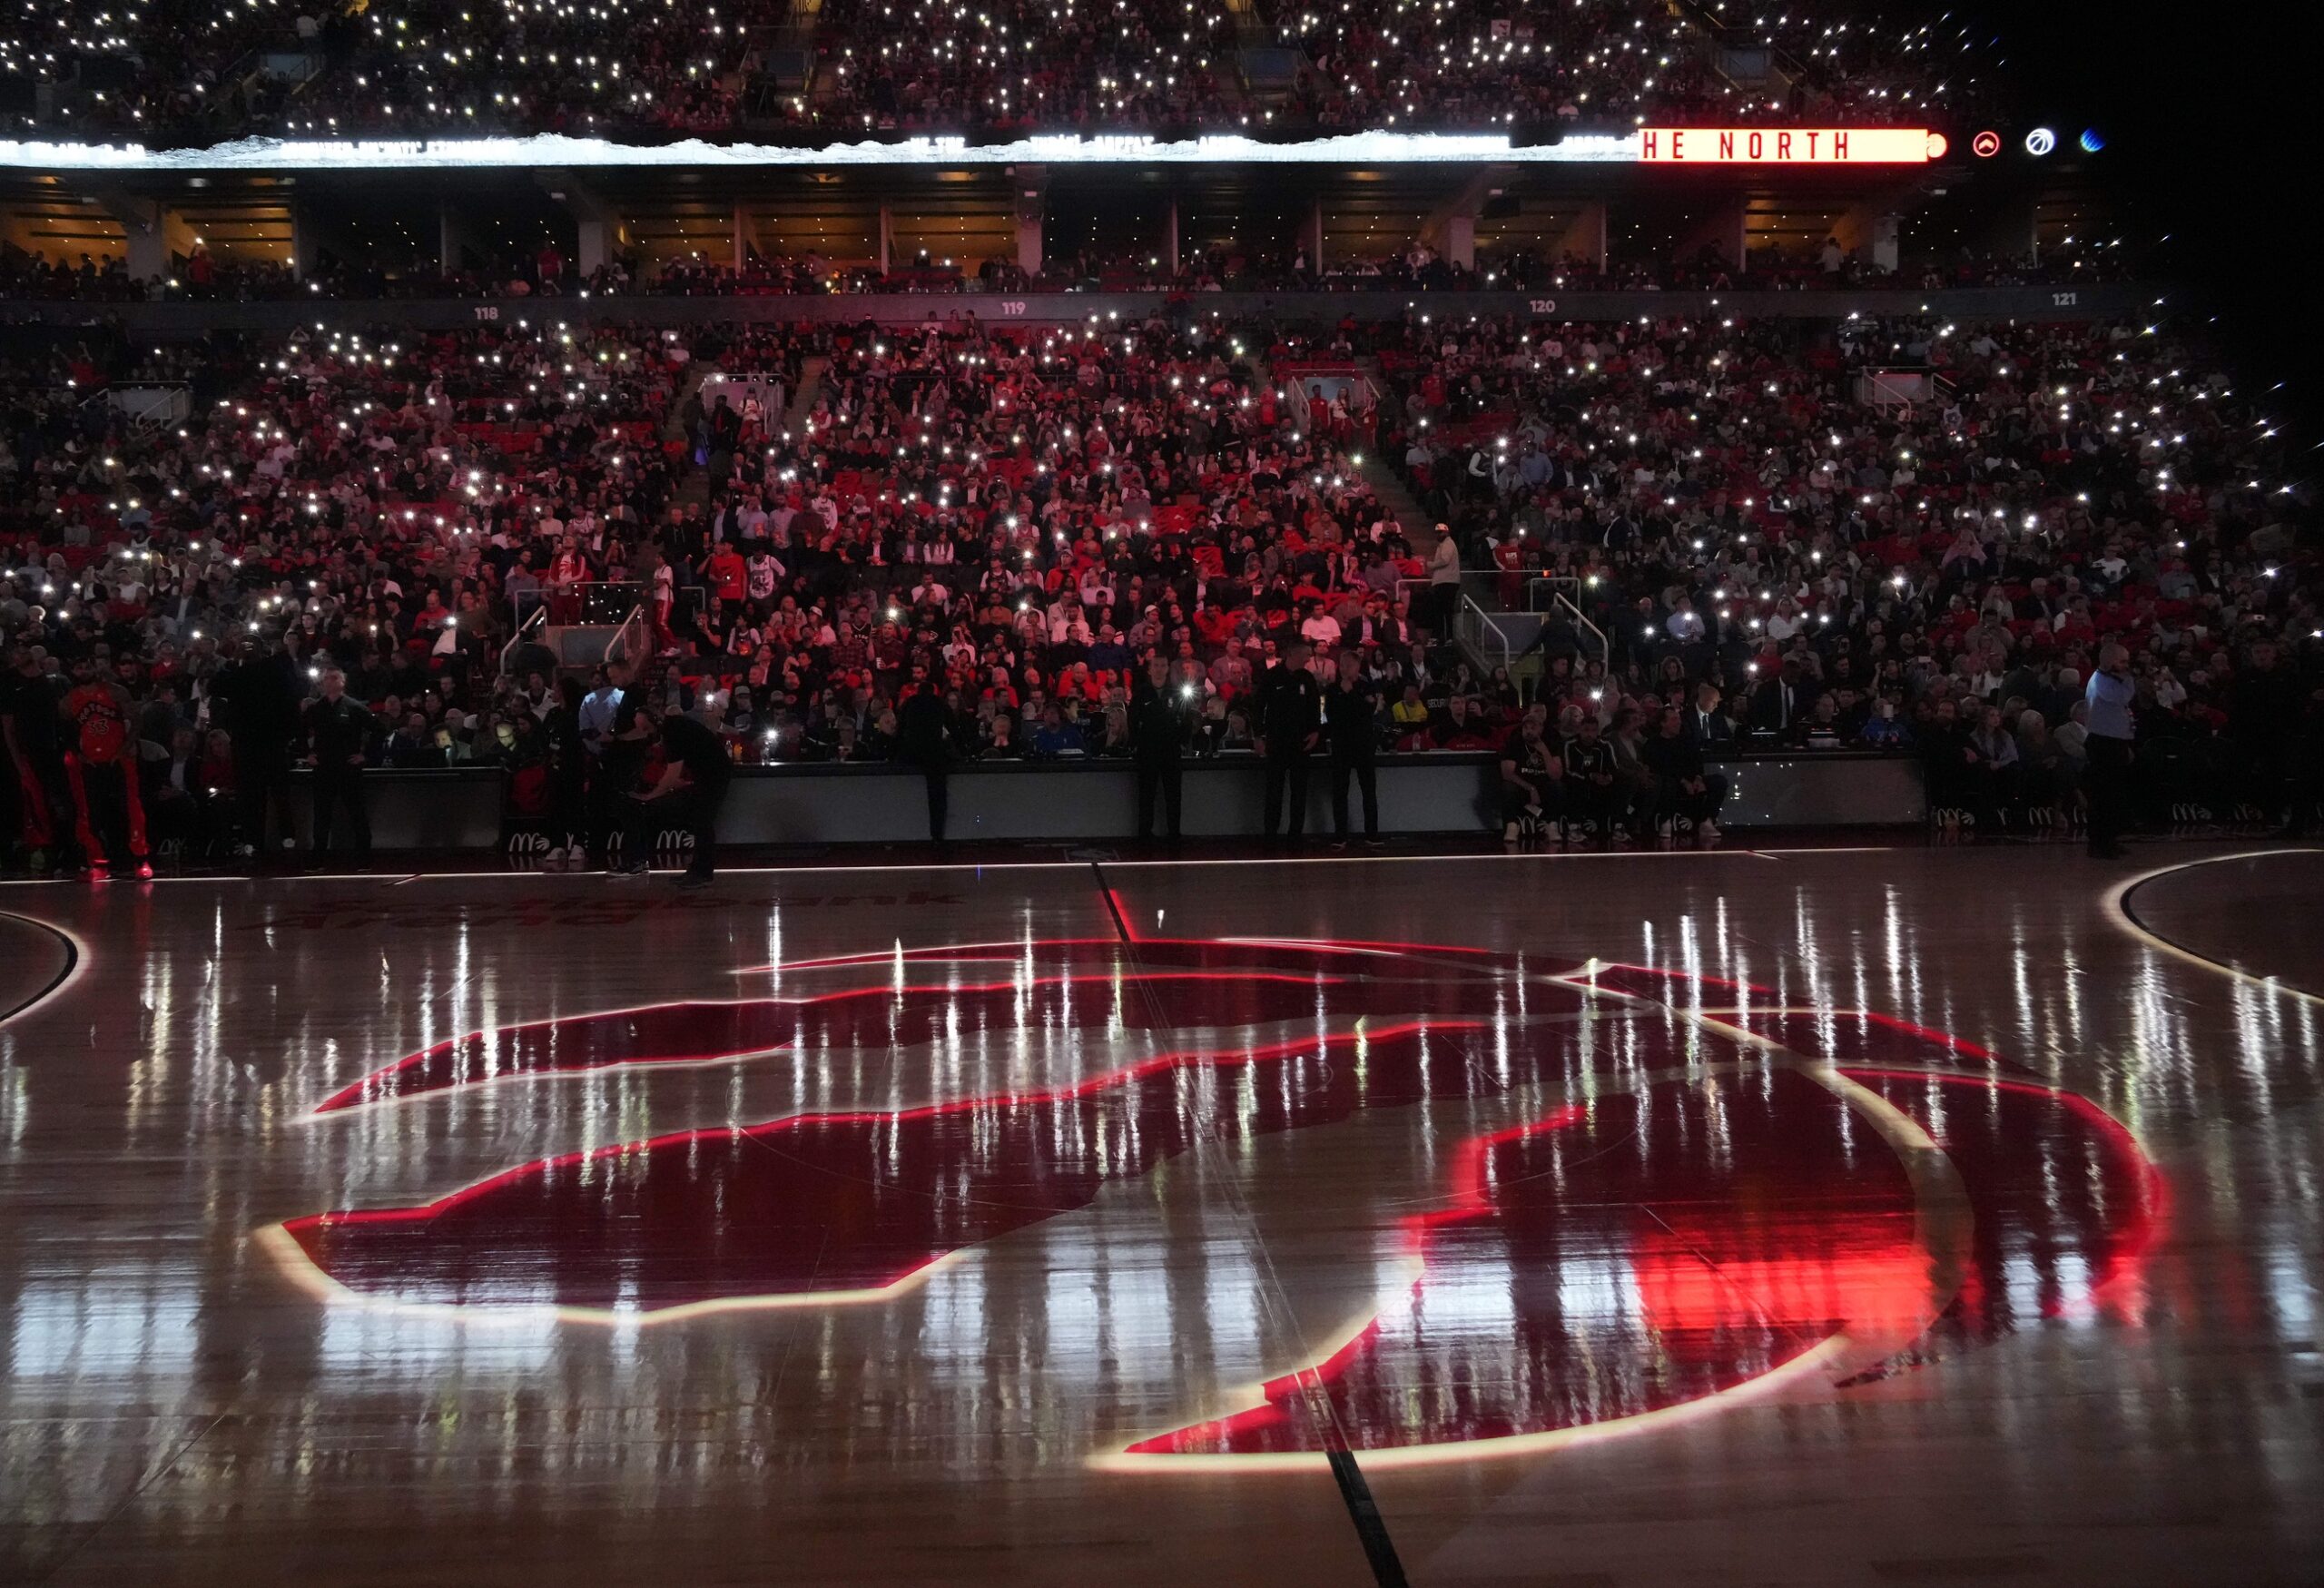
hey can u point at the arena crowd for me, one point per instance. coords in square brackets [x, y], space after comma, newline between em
[1100, 541]
[851, 69]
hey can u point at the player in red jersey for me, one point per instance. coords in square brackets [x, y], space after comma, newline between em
[101, 764]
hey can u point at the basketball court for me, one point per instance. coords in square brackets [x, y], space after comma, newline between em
[1830, 1216]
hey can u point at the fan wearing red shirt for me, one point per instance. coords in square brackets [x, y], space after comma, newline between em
[100, 765]
[728, 574]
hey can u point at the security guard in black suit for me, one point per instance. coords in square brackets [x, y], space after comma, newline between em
[1291, 719]
[1352, 726]
[1161, 720]
[339, 730]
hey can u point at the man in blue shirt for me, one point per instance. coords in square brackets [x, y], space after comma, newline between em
[2107, 780]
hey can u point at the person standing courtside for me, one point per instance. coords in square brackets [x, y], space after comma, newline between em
[609, 722]
[101, 764]
[338, 730]
[925, 730]
[259, 691]
[1161, 720]
[1291, 715]
[695, 772]
[2107, 780]
[1352, 728]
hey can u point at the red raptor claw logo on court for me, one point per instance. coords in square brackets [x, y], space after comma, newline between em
[1711, 1196]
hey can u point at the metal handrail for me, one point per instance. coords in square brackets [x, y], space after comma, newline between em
[538, 620]
[621, 647]
[1478, 622]
[1560, 589]
[1581, 618]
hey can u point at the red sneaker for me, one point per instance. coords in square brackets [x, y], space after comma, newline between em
[145, 871]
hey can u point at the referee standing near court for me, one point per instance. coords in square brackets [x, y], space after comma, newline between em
[1291, 719]
[2106, 780]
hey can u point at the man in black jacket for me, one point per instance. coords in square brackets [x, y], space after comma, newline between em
[1591, 795]
[1781, 705]
[260, 690]
[1683, 785]
[2264, 714]
[1291, 714]
[695, 772]
[1161, 719]
[338, 731]
[1352, 728]
[1706, 727]
[925, 735]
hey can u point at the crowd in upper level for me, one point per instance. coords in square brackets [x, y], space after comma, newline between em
[1741, 522]
[548, 273]
[175, 71]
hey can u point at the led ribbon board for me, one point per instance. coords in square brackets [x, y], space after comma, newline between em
[1788, 145]
[1646, 145]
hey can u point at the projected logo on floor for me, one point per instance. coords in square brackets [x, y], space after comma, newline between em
[1712, 1198]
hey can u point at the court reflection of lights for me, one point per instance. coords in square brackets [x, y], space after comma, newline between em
[853, 1208]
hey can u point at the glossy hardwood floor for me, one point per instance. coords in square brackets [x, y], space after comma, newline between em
[1152, 1223]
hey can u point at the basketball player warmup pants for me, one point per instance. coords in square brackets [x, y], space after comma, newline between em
[105, 800]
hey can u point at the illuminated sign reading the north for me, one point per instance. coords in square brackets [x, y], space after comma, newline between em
[1788, 145]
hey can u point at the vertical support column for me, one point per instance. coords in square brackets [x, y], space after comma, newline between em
[1461, 241]
[145, 224]
[591, 245]
[742, 238]
[1170, 239]
[1584, 237]
[1872, 229]
[1315, 236]
[1031, 202]
[1886, 231]
[149, 251]
[448, 237]
[596, 225]
[304, 243]
[886, 221]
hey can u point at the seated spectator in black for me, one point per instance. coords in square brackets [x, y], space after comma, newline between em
[1634, 781]
[1685, 788]
[1531, 783]
[1954, 775]
[1591, 795]
[177, 808]
[1236, 734]
[1822, 726]
[1995, 749]
[414, 745]
[2044, 778]
[1781, 703]
[1708, 728]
